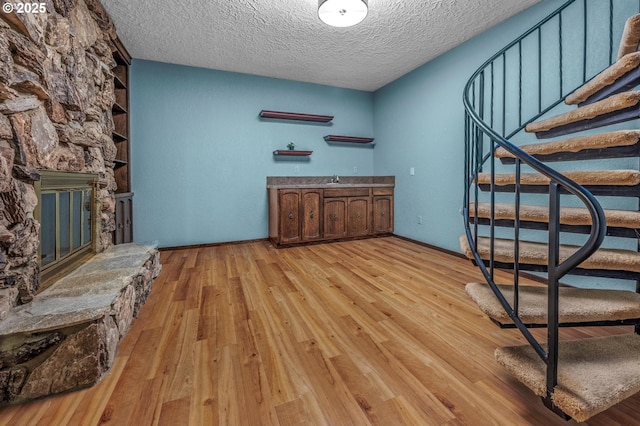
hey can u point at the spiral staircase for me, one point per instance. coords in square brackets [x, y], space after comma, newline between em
[537, 207]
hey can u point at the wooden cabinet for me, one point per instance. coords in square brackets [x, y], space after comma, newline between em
[311, 214]
[289, 216]
[358, 219]
[124, 223]
[326, 214]
[295, 215]
[335, 213]
[382, 210]
[346, 212]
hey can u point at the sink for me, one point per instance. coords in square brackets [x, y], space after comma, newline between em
[332, 183]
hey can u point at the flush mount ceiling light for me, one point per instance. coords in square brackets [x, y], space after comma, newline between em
[342, 13]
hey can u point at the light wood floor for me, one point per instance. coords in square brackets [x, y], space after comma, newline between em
[355, 333]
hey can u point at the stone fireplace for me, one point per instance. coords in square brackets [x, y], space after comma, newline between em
[56, 96]
[56, 93]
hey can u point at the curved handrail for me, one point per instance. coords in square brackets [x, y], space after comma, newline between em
[595, 209]
[508, 47]
[598, 229]
[476, 131]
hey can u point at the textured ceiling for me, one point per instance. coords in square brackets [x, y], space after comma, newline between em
[286, 39]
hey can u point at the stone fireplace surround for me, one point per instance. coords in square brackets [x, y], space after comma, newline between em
[56, 94]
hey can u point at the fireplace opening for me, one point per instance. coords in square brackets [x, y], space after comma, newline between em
[68, 226]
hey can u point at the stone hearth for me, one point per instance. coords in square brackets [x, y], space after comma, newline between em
[66, 338]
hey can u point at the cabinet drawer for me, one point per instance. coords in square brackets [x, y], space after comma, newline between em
[382, 191]
[346, 192]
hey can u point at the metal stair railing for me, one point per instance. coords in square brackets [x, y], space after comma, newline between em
[497, 98]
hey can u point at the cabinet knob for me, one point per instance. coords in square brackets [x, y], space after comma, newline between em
[312, 215]
[290, 215]
[358, 216]
[334, 217]
[382, 214]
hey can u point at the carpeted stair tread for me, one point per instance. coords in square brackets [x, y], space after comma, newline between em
[576, 305]
[593, 374]
[594, 177]
[611, 104]
[630, 36]
[533, 253]
[606, 78]
[568, 215]
[599, 141]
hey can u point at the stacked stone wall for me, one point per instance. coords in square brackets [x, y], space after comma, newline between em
[56, 94]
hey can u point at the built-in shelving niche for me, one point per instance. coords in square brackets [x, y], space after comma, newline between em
[123, 232]
[120, 114]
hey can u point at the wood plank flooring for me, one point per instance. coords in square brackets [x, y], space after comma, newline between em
[369, 332]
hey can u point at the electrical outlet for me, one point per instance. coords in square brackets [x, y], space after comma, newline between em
[296, 169]
[355, 170]
[412, 171]
[419, 220]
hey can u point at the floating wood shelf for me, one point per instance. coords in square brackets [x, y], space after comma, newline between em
[292, 152]
[119, 163]
[279, 115]
[350, 139]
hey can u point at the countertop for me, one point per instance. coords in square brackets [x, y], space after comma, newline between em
[307, 182]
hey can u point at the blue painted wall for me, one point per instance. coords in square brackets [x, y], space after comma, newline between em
[201, 154]
[419, 123]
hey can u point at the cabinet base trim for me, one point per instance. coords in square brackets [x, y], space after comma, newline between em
[328, 240]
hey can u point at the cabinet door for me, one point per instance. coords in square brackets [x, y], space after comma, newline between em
[124, 219]
[289, 201]
[358, 216]
[335, 211]
[311, 215]
[382, 214]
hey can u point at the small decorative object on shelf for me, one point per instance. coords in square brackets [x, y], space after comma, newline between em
[280, 115]
[351, 139]
[291, 145]
[292, 152]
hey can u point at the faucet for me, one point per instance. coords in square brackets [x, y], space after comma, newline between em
[335, 179]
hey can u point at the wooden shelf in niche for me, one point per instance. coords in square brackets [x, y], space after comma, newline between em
[118, 82]
[350, 139]
[280, 115]
[292, 152]
[117, 137]
[118, 109]
[120, 113]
